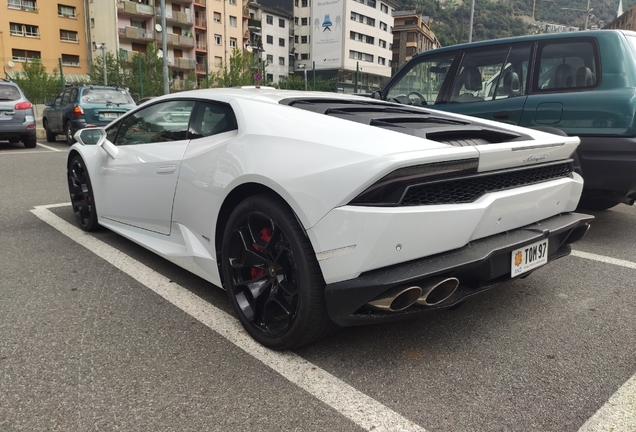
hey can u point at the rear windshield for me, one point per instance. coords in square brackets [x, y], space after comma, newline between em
[102, 96]
[9, 93]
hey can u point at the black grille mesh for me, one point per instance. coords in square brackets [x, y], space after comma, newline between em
[467, 190]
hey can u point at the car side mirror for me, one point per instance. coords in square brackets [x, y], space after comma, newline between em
[376, 95]
[96, 136]
[48, 103]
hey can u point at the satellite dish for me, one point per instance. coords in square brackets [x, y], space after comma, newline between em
[160, 54]
[10, 64]
[158, 27]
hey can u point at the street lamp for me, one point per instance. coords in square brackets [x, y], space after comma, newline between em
[587, 12]
[102, 46]
[472, 14]
[304, 67]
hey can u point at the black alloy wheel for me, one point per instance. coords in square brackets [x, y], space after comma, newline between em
[81, 192]
[273, 279]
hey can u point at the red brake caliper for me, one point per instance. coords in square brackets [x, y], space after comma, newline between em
[266, 234]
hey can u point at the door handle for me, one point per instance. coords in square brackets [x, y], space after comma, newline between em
[503, 115]
[166, 169]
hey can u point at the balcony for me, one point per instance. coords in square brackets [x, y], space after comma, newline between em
[246, 35]
[130, 8]
[136, 33]
[181, 63]
[125, 55]
[246, 12]
[200, 67]
[179, 17]
[201, 22]
[201, 45]
[200, 3]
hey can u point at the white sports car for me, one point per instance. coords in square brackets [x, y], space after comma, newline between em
[317, 209]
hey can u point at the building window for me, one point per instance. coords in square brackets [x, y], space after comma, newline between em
[233, 2]
[68, 36]
[70, 60]
[138, 24]
[217, 61]
[232, 21]
[270, 19]
[382, 61]
[27, 5]
[296, 3]
[270, 77]
[281, 61]
[304, 3]
[232, 42]
[383, 26]
[92, 22]
[384, 8]
[281, 42]
[21, 55]
[382, 43]
[304, 56]
[270, 58]
[17, 29]
[66, 11]
[281, 23]
[295, 38]
[371, 3]
[270, 39]
[362, 19]
[217, 17]
[217, 39]
[360, 56]
[304, 21]
[281, 77]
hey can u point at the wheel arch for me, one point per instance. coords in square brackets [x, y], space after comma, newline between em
[237, 195]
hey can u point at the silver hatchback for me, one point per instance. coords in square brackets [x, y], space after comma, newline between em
[17, 120]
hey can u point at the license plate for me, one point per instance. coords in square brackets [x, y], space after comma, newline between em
[110, 115]
[529, 258]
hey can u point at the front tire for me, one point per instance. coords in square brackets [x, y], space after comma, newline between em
[68, 131]
[50, 136]
[81, 193]
[271, 274]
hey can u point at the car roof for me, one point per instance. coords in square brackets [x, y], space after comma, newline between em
[528, 38]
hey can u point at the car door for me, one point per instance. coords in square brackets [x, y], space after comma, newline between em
[490, 83]
[137, 187]
[62, 111]
[53, 115]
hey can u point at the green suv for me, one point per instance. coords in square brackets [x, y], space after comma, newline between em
[578, 83]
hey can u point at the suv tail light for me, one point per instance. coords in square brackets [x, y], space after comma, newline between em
[78, 111]
[23, 106]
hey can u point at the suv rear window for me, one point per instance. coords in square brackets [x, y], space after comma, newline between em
[102, 96]
[9, 93]
[565, 65]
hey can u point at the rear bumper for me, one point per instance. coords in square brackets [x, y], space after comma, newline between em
[608, 163]
[480, 265]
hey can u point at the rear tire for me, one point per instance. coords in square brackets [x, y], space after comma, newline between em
[30, 142]
[272, 276]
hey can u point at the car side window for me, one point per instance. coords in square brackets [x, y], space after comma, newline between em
[160, 122]
[58, 100]
[211, 119]
[421, 84]
[478, 72]
[66, 97]
[568, 65]
[73, 96]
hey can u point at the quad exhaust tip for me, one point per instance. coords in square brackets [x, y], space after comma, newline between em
[433, 292]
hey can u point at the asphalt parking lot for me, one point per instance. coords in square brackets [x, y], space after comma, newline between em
[96, 333]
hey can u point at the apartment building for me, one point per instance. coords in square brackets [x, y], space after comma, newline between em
[277, 33]
[48, 30]
[345, 38]
[412, 34]
[625, 20]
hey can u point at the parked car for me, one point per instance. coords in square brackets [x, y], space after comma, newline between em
[320, 208]
[17, 120]
[86, 106]
[576, 83]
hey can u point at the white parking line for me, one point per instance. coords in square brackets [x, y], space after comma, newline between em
[619, 412]
[351, 403]
[49, 147]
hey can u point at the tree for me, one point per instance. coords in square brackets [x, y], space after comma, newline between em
[115, 74]
[151, 77]
[239, 71]
[297, 82]
[38, 86]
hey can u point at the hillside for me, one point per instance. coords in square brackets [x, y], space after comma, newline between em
[502, 18]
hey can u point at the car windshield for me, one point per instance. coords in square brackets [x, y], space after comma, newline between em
[104, 95]
[9, 93]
